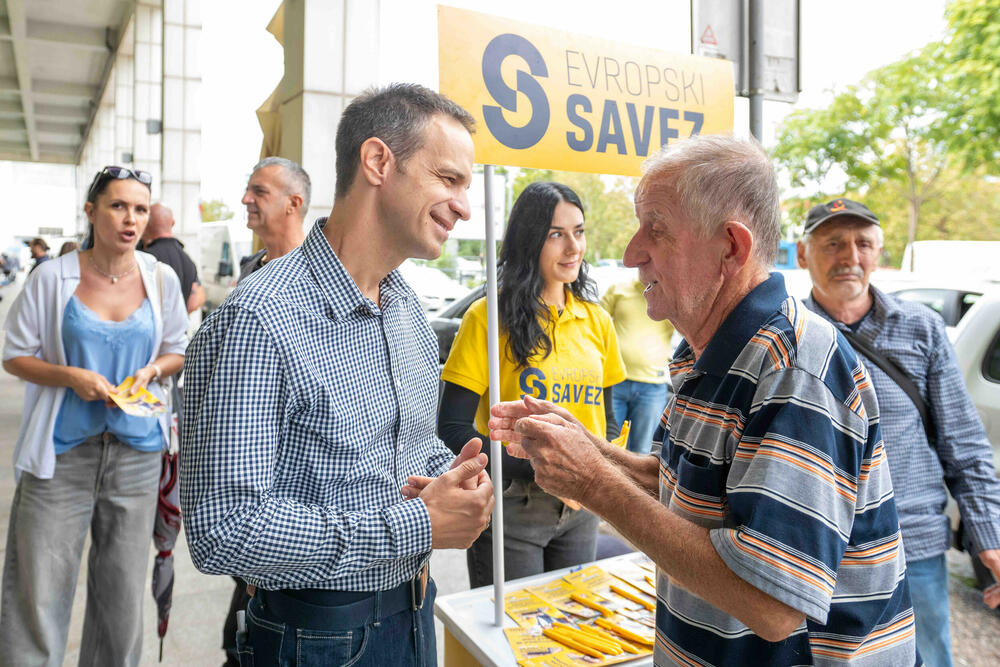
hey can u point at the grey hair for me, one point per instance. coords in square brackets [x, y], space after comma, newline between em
[296, 179]
[708, 180]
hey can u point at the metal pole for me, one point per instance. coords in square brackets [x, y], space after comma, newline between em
[493, 348]
[756, 66]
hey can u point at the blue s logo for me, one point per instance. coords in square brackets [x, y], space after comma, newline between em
[532, 383]
[499, 48]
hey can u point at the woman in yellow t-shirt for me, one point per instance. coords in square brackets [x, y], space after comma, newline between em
[556, 343]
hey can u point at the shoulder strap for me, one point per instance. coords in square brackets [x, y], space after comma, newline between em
[898, 375]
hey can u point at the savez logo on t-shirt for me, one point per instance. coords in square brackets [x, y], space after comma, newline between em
[568, 386]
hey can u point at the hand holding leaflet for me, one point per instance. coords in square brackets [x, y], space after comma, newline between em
[143, 403]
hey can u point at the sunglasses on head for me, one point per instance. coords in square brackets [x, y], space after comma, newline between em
[112, 172]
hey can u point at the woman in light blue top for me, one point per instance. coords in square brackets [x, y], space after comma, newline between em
[84, 322]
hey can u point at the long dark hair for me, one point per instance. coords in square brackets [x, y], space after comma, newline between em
[522, 311]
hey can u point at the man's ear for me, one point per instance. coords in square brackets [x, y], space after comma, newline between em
[376, 161]
[800, 254]
[737, 246]
[295, 200]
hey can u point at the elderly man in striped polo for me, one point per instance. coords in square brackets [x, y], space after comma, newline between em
[775, 532]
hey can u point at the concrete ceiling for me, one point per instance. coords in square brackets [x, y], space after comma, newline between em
[55, 60]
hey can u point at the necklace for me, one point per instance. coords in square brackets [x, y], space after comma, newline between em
[114, 278]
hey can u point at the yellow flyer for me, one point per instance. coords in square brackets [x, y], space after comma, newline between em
[558, 593]
[141, 404]
[634, 575]
[531, 612]
[527, 645]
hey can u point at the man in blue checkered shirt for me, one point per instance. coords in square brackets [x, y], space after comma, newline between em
[842, 244]
[310, 402]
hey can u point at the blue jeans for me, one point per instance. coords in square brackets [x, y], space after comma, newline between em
[540, 534]
[405, 639]
[928, 582]
[642, 403]
[109, 489]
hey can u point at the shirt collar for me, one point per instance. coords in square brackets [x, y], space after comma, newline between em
[338, 285]
[573, 308]
[882, 309]
[741, 325]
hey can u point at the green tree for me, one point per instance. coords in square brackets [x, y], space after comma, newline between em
[884, 133]
[215, 209]
[608, 207]
[971, 53]
[887, 141]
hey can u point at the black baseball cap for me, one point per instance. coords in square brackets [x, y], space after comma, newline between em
[836, 209]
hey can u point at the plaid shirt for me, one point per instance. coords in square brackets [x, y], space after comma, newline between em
[306, 407]
[960, 456]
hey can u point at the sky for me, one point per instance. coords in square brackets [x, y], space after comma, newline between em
[242, 63]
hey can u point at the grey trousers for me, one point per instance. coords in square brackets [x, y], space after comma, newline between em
[106, 487]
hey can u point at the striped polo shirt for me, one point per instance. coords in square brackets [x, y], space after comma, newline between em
[774, 446]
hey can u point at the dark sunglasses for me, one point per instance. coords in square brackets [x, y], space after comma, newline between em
[112, 172]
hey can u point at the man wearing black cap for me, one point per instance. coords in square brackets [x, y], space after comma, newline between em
[933, 436]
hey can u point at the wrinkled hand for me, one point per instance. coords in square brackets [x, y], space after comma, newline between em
[90, 386]
[415, 483]
[143, 377]
[566, 462]
[458, 514]
[991, 559]
[503, 417]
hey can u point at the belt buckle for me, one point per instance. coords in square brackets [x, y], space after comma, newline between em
[418, 588]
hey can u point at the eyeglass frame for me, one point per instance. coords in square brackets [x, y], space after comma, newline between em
[123, 173]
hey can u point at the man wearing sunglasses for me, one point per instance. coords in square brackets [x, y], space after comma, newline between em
[310, 402]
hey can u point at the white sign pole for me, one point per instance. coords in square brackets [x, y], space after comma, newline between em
[493, 349]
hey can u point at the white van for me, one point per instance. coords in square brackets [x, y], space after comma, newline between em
[223, 245]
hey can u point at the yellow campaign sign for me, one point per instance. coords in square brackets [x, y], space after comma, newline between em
[555, 100]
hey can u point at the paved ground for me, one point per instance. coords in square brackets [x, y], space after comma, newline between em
[200, 601]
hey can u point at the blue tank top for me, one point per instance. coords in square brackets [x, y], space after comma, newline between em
[115, 350]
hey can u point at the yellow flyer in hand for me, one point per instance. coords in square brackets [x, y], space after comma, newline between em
[140, 404]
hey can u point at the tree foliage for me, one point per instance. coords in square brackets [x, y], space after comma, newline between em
[215, 209]
[608, 209]
[971, 53]
[897, 141]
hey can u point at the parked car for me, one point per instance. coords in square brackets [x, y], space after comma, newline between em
[977, 349]
[435, 289]
[446, 323]
[223, 245]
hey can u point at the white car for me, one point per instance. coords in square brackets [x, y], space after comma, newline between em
[977, 347]
[223, 245]
[435, 289]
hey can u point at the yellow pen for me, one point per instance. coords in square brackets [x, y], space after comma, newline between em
[633, 597]
[608, 637]
[586, 601]
[627, 634]
[571, 643]
[593, 642]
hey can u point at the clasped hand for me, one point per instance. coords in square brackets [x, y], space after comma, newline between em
[459, 502]
[566, 462]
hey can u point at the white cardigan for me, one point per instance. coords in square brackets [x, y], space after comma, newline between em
[34, 329]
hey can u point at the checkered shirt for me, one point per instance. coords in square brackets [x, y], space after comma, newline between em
[306, 407]
[959, 458]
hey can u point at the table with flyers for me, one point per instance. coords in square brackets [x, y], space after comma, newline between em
[603, 609]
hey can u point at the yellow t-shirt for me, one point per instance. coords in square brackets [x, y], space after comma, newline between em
[584, 360]
[645, 343]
